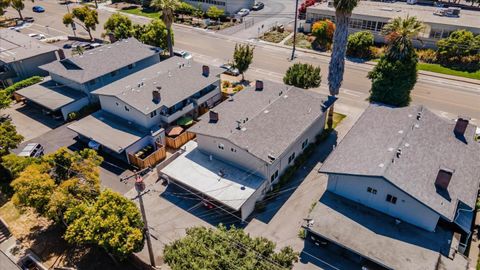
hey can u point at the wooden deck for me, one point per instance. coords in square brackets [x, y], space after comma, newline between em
[151, 160]
[180, 140]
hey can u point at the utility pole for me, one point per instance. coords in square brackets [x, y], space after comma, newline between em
[294, 31]
[140, 187]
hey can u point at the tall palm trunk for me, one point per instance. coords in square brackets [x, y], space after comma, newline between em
[337, 60]
[20, 14]
[169, 40]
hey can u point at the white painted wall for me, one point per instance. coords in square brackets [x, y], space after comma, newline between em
[74, 107]
[115, 106]
[407, 208]
[29, 67]
[249, 206]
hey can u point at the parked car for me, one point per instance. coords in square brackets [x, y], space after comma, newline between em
[94, 45]
[67, 45]
[258, 6]
[243, 12]
[32, 150]
[37, 36]
[38, 9]
[28, 19]
[183, 54]
[82, 44]
[230, 70]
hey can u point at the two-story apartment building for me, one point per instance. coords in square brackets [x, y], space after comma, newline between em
[146, 102]
[21, 56]
[401, 191]
[245, 144]
[72, 80]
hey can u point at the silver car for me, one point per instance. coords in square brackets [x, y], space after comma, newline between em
[32, 150]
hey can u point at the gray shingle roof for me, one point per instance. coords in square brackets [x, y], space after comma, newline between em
[178, 78]
[102, 60]
[50, 94]
[274, 118]
[427, 145]
[15, 46]
[6, 263]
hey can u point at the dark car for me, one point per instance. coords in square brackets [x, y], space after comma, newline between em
[258, 6]
[28, 19]
[38, 9]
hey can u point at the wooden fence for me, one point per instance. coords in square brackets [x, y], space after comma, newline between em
[180, 140]
[149, 161]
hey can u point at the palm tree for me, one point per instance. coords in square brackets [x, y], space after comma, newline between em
[399, 33]
[343, 11]
[168, 8]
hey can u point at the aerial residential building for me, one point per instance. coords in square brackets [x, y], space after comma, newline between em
[245, 144]
[71, 81]
[372, 16]
[137, 109]
[21, 56]
[402, 187]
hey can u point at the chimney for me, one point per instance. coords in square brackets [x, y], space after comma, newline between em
[461, 126]
[156, 97]
[205, 70]
[443, 178]
[258, 85]
[213, 116]
[61, 54]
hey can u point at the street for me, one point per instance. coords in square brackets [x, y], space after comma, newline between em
[446, 97]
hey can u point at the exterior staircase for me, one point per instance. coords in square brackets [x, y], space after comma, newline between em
[4, 231]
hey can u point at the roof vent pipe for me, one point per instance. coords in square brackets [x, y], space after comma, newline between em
[399, 152]
[258, 85]
[156, 96]
[213, 116]
[205, 70]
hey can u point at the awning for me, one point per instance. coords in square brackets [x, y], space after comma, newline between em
[108, 130]
[185, 121]
[51, 95]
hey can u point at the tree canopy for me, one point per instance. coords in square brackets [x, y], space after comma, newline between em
[168, 8]
[9, 138]
[15, 164]
[303, 76]
[323, 32]
[223, 249]
[112, 222]
[87, 16]
[119, 25]
[399, 33]
[460, 50]
[242, 57]
[155, 33]
[214, 12]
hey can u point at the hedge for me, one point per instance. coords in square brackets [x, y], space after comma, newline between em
[22, 84]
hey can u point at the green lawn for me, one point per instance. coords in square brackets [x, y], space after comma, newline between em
[443, 70]
[141, 12]
[337, 118]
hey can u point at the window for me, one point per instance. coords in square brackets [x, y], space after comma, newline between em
[221, 146]
[371, 190]
[233, 149]
[291, 158]
[153, 114]
[274, 176]
[391, 199]
[127, 109]
[305, 144]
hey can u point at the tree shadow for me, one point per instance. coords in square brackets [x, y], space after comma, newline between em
[276, 200]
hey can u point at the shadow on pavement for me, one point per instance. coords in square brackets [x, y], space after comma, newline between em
[35, 113]
[275, 201]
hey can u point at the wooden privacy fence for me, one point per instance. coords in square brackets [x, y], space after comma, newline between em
[180, 140]
[150, 160]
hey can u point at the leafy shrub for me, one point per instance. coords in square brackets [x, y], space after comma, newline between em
[303, 75]
[460, 51]
[226, 84]
[22, 84]
[323, 31]
[377, 52]
[359, 44]
[72, 116]
[427, 56]
[238, 88]
[302, 233]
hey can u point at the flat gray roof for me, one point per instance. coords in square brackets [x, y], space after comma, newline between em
[388, 11]
[178, 78]
[427, 145]
[109, 130]
[15, 46]
[377, 236]
[271, 119]
[195, 170]
[50, 94]
[102, 60]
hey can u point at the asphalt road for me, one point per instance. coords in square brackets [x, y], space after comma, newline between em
[447, 97]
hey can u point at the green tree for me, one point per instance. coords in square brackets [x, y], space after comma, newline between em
[33, 188]
[323, 32]
[113, 222]
[15, 164]
[18, 5]
[242, 57]
[119, 25]
[5, 100]
[452, 51]
[395, 75]
[222, 248]
[168, 8]
[4, 4]
[303, 75]
[9, 138]
[155, 33]
[214, 12]
[87, 16]
[343, 12]
[359, 44]
[185, 9]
